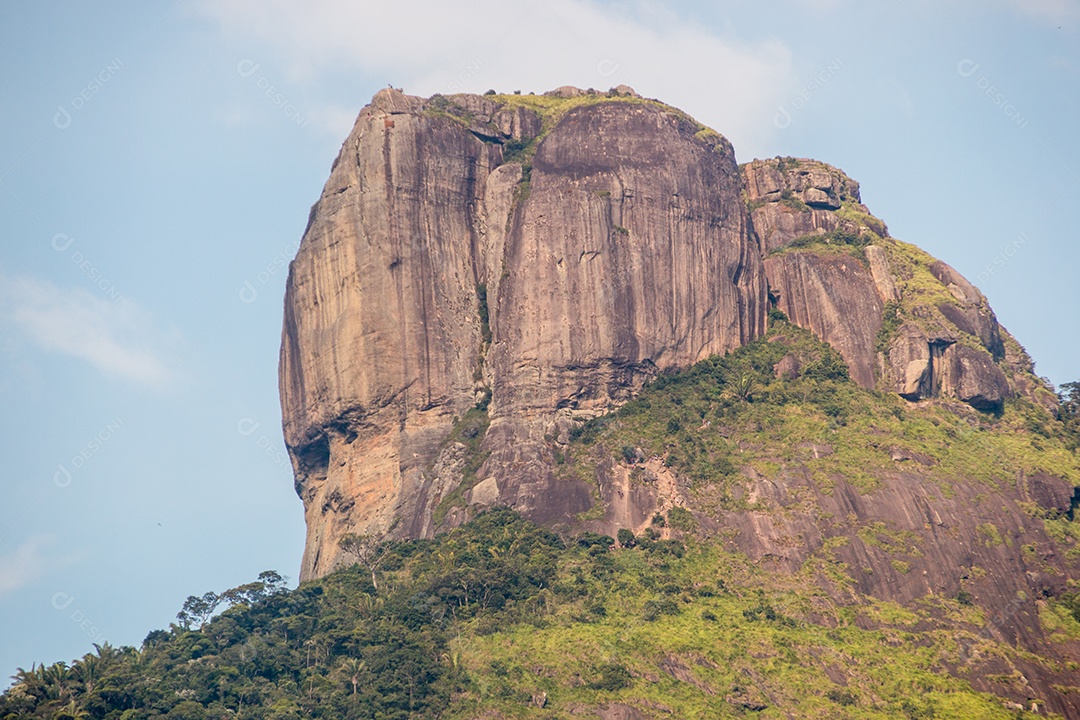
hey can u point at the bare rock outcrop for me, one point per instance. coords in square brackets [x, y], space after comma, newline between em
[881, 270]
[834, 296]
[444, 264]
[791, 198]
[483, 274]
[969, 374]
[911, 542]
[534, 261]
[825, 286]
[381, 333]
[629, 256]
[896, 315]
[908, 363]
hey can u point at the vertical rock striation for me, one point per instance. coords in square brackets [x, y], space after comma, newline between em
[381, 334]
[482, 273]
[467, 248]
[630, 255]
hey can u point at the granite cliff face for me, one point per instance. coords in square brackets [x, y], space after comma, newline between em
[832, 271]
[544, 260]
[541, 258]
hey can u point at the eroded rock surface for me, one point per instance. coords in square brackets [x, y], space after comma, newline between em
[833, 270]
[791, 198]
[834, 296]
[542, 259]
[381, 333]
[618, 249]
[910, 542]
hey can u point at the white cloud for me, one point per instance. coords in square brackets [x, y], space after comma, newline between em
[431, 46]
[116, 337]
[23, 565]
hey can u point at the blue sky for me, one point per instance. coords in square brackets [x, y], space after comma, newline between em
[157, 164]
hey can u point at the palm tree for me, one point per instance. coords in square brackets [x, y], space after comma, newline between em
[352, 669]
[107, 652]
[71, 711]
[454, 655]
[743, 388]
[32, 680]
[87, 671]
[57, 679]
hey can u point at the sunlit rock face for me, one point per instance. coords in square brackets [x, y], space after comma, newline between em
[481, 273]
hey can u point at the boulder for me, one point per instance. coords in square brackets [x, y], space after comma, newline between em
[908, 363]
[790, 198]
[970, 375]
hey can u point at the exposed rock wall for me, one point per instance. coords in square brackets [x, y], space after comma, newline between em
[618, 249]
[911, 542]
[481, 274]
[791, 198]
[834, 296]
[381, 332]
[629, 256]
[543, 258]
[833, 270]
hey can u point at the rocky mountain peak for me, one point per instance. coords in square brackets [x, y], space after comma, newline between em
[483, 273]
[540, 256]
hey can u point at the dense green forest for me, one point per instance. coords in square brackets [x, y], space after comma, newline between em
[502, 618]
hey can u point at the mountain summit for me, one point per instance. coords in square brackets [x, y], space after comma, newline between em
[539, 259]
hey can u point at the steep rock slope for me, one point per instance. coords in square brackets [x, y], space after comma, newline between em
[551, 254]
[962, 519]
[487, 280]
[482, 274]
[900, 318]
[381, 334]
